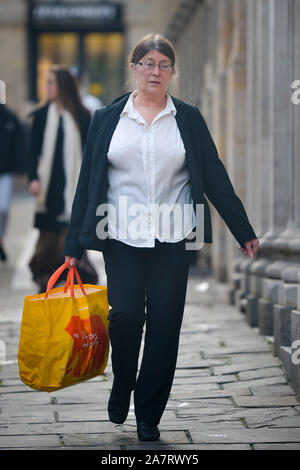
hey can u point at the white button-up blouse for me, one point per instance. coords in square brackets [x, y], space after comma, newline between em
[149, 192]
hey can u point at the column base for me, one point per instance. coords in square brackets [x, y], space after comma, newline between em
[265, 317]
[252, 310]
[282, 327]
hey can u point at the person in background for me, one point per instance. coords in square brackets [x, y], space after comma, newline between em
[56, 139]
[91, 102]
[12, 162]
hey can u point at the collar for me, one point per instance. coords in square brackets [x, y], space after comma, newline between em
[132, 112]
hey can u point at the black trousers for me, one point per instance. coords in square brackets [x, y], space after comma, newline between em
[145, 286]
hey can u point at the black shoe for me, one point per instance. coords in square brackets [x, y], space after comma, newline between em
[118, 407]
[147, 431]
[118, 415]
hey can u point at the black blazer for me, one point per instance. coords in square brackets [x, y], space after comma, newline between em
[208, 177]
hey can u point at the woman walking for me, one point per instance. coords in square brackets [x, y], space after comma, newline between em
[149, 149]
[57, 137]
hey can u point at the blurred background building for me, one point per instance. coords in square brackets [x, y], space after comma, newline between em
[238, 61]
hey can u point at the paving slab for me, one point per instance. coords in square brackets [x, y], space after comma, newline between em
[198, 387]
[205, 379]
[210, 401]
[71, 415]
[213, 394]
[247, 365]
[251, 383]
[278, 422]
[215, 352]
[270, 400]
[194, 374]
[196, 422]
[56, 428]
[219, 415]
[270, 446]
[284, 389]
[245, 435]
[261, 373]
[30, 398]
[26, 415]
[121, 438]
[212, 410]
[195, 447]
[29, 442]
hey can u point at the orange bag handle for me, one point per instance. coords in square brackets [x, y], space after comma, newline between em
[79, 280]
[70, 282]
[70, 279]
[55, 276]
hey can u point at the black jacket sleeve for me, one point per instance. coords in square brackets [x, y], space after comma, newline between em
[72, 246]
[36, 133]
[19, 148]
[12, 141]
[219, 189]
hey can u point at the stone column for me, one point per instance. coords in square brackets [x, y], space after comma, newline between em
[277, 133]
[262, 159]
[210, 107]
[280, 281]
[183, 62]
[294, 244]
[280, 118]
[195, 46]
[219, 116]
[251, 108]
[259, 311]
[294, 28]
[292, 228]
[206, 91]
[273, 150]
[241, 264]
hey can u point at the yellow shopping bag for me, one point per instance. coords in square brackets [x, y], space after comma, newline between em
[64, 334]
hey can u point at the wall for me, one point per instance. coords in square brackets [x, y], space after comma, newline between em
[239, 59]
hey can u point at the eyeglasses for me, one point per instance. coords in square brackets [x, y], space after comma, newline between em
[151, 66]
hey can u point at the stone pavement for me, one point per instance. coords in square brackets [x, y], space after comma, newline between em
[229, 391]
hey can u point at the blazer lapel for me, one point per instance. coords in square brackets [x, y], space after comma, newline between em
[110, 119]
[193, 154]
[109, 122]
[194, 164]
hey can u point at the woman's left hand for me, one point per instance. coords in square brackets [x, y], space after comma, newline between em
[251, 247]
[73, 260]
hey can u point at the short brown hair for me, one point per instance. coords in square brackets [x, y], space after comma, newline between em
[150, 42]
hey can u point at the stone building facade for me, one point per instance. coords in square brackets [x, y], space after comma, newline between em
[238, 61]
[240, 64]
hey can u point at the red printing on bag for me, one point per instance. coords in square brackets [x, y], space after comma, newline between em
[90, 341]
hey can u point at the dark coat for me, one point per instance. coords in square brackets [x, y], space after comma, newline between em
[12, 143]
[208, 177]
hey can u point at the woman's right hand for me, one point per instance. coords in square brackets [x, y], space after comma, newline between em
[35, 187]
[73, 260]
